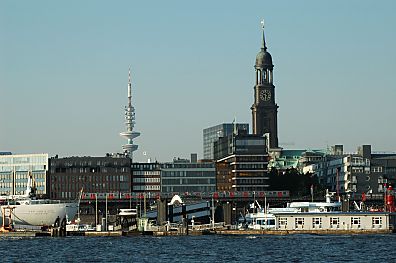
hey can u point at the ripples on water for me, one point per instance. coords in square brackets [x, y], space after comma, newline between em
[289, 248]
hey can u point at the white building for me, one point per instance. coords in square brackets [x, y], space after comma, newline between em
[336, 221]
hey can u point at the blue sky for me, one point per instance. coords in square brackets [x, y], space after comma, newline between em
[64, 71]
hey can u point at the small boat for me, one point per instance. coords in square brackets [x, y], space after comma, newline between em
[258, 219]
[309, 207]
[127, 212]
[26, 210]
[127, 217]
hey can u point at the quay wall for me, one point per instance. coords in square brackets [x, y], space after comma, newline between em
[314, 232]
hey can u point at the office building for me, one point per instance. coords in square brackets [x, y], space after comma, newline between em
[183, 176]
[242, 161]
[146, 177]
[212, 134]
[16, 169]
[110, 174]
[355, 173]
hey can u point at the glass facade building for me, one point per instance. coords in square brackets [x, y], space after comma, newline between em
[212, 134]
[189, 177]
[16, 169]
[242, 161]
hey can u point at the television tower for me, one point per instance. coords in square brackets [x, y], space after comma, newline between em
[129, 134]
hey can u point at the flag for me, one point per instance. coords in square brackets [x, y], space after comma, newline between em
[363, 197]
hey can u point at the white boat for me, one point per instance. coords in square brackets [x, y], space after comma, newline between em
[127, 212]
[258, 219]
[309, 207]
[39, 212]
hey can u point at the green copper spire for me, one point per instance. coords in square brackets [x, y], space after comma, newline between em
[263, 46]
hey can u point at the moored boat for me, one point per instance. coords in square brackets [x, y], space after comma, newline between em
[26, 210]
[257, 219]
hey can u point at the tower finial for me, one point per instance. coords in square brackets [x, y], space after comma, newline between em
[263, 46]
[129, 75]
[129, 86]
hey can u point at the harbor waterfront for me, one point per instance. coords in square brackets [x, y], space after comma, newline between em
[290, 248]
[230, 140]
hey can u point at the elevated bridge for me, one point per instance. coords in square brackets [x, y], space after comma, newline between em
[198, 205]
[223, 196]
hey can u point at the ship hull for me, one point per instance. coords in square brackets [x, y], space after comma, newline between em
[41, 214]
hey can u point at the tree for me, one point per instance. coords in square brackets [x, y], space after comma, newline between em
[297, 183]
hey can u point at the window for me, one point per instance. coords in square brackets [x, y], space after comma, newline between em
[271, 222]
[377, 169]
[317, 222]
[282, 221]
[334, 222]
[355, 221]
[299, 221]
[377, 221]
[357, 169]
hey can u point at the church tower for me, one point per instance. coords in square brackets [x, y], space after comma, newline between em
[264, 108]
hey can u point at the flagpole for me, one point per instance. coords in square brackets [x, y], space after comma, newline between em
[96, 209]
[106, 214]
[312, 196]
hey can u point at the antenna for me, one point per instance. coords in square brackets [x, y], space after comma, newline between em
[129, 134]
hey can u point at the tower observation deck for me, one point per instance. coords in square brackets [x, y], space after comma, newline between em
[129, 134]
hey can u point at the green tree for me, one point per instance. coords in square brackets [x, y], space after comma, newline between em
[297, 183]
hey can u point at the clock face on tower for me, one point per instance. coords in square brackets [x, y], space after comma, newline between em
[265, 95]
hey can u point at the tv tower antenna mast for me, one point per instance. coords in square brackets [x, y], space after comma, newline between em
[129, 134]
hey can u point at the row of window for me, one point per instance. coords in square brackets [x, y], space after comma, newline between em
[251, 158]
[19, 184]
[146, 180]
[189, 181]
[254, 141]
[152, 173]
[182, 189]
[91, 187]
[359, 161]
[23, 168]
[240, 181]
[146, 188]
[145, 167]
[34, 159]
[188, 174]
[187, 165]
[97, 169]
[334, 222]
[90, 178]
[257, 188]
[376, 169]
[249, 166]
[105, 163]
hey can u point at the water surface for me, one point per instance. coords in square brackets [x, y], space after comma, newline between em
[263, 248]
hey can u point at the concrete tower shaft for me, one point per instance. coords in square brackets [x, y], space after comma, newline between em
[129, 134]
